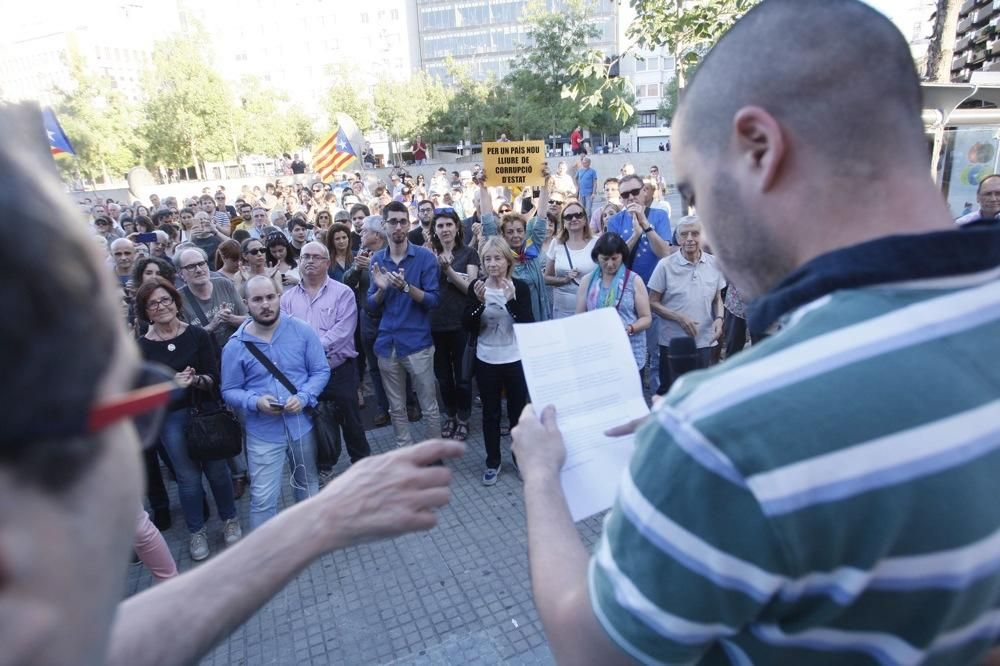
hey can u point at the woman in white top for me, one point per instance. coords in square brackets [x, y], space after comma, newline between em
[494, 305]
[569, 258]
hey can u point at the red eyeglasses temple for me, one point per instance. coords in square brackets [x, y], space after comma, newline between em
[133, 403]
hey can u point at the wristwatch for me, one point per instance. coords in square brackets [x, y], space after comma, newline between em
[406, 288]
[647, 229]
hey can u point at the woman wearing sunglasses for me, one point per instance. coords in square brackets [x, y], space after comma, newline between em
[190, 352]
[569, 258]
[255, 260]
[459, 266]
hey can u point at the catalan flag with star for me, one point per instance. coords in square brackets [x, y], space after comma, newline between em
[334, 153]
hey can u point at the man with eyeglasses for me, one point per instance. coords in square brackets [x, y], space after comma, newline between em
[330, 308]
[404, 287]
[988, 198]
[422, 234]
[646, 232]
[209, 302]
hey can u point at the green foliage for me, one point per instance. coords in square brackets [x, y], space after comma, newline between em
[266, 124]
[688, 29]
[192, 115]
[680, 25]
[98, 122]
[343, 97]
[403, 108]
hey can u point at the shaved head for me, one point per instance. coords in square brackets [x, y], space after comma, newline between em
[836, 73]
[798, 127]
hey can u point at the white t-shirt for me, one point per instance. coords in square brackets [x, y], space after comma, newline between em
[564, 296]
[496, 331]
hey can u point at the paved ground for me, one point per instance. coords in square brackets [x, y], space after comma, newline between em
[459, 594]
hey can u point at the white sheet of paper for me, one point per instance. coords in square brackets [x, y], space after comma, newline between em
[584, 366]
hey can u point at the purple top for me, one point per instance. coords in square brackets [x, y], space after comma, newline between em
[332, 313]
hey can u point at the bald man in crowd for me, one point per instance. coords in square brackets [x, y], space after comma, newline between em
[827, 496]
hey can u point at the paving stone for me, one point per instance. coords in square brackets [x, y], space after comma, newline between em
[459, 594]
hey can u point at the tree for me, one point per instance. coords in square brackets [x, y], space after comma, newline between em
[550, 65]
[343, 97]
[192, 116]
[403, 108]
[941, 49]
[688, 28]
[99, 123]
[267, 124]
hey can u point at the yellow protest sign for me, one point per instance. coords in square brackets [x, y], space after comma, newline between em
[514, 163]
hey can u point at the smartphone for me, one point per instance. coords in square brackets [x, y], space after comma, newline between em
[146, 238]
[274, 404]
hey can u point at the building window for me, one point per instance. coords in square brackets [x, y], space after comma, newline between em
[647, 119]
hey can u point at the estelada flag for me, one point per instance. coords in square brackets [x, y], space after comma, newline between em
[58, 141]
[334, 153]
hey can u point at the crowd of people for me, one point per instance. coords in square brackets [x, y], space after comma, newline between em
[415, 297]
[822, 496]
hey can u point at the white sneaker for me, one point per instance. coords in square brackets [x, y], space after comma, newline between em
[231, 531]
[199, 545]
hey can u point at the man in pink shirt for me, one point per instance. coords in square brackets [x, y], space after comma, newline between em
[330, 308]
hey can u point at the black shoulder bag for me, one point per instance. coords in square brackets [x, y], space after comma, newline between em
[328, 444]
[213, 432]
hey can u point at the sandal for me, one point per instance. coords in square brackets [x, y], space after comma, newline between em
[448, 429]
[461, 431]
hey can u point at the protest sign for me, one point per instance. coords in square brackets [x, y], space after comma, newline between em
[514, 163]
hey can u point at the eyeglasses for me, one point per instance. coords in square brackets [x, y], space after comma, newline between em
[145, 404]
[256, 251]
[628, 194]
[159, 303]
[195, 266]
[574, 216]
[556, 202]
[396, 221]
[447, 210]
[309, 258]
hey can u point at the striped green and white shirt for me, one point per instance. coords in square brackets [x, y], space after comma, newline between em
[828, 496]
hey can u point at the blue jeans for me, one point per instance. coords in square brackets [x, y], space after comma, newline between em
[587, 201]
[189, 475]
[266, 465]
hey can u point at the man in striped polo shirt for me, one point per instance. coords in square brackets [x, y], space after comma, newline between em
[829, 495]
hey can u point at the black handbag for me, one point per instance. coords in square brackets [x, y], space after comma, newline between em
[212, 432]
[328, 444]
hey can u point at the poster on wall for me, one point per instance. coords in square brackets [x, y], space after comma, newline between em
[974, 155]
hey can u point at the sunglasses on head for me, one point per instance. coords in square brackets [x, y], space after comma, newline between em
[447, 210]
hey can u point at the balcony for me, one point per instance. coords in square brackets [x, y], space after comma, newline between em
[978, 56]
[959, 62]
[966, 7]
[983, 34]
[964, 25]
[963, 43]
